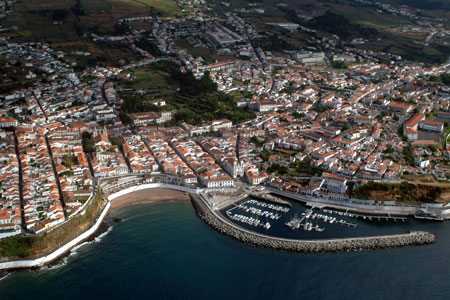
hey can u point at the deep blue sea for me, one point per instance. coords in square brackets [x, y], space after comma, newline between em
[163, 250]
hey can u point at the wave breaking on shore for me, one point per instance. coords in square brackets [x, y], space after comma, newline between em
[74, 251]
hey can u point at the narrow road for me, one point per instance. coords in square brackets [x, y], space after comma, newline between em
[58, 183]
[40, 106]
[126, 159]
[260, 59]
[104, 93]
[22, 210]
[237, 145]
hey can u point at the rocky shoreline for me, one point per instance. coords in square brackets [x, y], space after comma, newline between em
[309, 246]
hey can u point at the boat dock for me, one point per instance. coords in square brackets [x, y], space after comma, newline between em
[309, 214]
[332, 220]
[365, 217]
[307, 226]
[297, 223]
[257, 211]
[248, 220]
[263, 209]
[268, 205]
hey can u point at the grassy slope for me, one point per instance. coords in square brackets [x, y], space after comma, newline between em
[403, 192]
[33, 247]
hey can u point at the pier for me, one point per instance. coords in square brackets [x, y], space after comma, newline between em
[369, 217]
[296, 223]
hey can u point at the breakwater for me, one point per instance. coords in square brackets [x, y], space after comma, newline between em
[224, 226]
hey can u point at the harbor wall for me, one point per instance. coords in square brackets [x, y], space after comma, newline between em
[39, 262]
[223, 225]
[153, 186]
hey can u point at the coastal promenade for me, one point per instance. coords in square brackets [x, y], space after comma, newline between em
[224, 226]
[39, 262]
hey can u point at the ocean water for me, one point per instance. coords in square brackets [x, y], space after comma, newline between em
[164, 251]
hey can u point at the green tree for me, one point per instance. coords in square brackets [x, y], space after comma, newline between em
[116, 141]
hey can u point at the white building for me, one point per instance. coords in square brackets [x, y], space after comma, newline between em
[334, 183]
[431, 125]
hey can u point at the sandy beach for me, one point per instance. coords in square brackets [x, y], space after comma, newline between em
[148, 195]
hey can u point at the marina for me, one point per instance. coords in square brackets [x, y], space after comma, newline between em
[258, 213]
[303, 221]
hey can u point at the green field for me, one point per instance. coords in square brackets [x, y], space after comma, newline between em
[149, 78]
[34, 19]
[167, 7]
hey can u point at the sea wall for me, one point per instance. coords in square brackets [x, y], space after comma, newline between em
[221, 224]
[39, 262]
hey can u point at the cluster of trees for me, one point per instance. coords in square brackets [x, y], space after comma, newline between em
[116, 141]
[275, 168]
[297, 114]
[87, 142]
[7, 88]
[339, 64]
[341, 26]
[274, 43]
[59, 14]
[197, 101]
[210, 106]
[149, 46]
[426, 4]
[257, 142]
[444, 78]
[190, 86]
[408, 155]
[319, 108]
[78, 9]
[69, 161]
[139, 103]
[126, 119]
